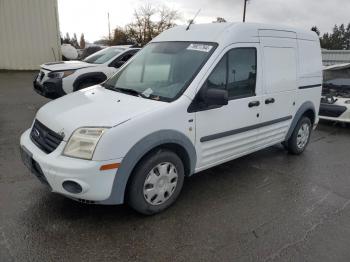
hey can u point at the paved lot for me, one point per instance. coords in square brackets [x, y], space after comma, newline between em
[268, 206]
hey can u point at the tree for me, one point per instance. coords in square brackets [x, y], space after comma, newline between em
[316, 30]
[145, 27]
[82, 41]
[167, 19]
[338, 39]
[347, 37]
[120, 37]
[104, 41]
[66, 39]
[74, 41]
[220, 20]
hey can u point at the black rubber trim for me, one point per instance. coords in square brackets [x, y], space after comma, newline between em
[309, 86]
[243, 129]
[51, 88]
[72, 187]
[97, 76]
[331, 110]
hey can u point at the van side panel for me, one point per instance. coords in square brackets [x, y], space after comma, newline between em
[310, 64]
[280, 64]
[309, 73]
[280, 69]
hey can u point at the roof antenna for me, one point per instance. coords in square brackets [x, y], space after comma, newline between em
[192, 20]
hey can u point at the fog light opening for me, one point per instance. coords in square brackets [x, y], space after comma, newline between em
[72, 187]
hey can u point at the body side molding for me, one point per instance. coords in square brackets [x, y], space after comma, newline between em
[243, 129]
[310, 86]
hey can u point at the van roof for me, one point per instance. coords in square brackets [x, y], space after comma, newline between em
[229, 32]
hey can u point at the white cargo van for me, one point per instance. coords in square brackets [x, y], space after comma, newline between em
[190, 100]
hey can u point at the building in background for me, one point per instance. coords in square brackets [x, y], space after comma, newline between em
[334, 57]
[29, 33]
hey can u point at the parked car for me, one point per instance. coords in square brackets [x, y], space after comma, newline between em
[89, 50]
[190, 100]
[59, 78]
[335, 101]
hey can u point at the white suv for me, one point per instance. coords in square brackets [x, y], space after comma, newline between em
[59, 78]
[189, 100]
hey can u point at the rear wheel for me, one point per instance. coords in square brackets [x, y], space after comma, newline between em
[156, 182]
[300, 136]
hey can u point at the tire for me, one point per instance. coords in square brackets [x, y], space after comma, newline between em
[151, 189]
[300, 137]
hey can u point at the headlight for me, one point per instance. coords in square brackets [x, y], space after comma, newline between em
[83, 142]
[60, 74]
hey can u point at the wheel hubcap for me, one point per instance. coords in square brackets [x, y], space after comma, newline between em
[303, 135]
[160, 183]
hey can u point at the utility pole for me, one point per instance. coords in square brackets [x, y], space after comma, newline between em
[109, 28]
[245, 8]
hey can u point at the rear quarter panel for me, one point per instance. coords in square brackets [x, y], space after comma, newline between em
[309, 71]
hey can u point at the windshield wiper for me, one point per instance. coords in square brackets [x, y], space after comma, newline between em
[124, 90]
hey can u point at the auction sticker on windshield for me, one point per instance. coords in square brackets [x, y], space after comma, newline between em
[200, 47]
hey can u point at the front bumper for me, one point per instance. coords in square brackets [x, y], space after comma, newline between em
[53, 169]
[333, 112]
[50, 88]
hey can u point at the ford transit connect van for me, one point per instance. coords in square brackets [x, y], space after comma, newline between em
[190, 100]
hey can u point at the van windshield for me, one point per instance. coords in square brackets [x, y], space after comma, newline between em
[161, 71]
[103, 55]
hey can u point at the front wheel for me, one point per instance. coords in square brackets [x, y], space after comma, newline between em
[156, 182]
[300, 136]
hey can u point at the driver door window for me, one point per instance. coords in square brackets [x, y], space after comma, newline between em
[236, 72]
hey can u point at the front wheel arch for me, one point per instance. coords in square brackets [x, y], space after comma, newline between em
[167, 139]
[97, 77]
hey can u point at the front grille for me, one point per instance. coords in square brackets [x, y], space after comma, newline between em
[46, 139]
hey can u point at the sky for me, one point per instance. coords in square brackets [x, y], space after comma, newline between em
[90, 16]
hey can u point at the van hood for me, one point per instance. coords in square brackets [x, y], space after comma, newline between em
[93, 107]
[66, 65]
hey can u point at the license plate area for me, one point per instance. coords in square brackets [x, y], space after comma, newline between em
[32, 165]
[27, 158]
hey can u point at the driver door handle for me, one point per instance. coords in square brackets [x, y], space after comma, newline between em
[253, 103]
[269, 101]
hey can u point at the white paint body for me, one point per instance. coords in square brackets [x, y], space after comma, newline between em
[286, 60]
[344, 117]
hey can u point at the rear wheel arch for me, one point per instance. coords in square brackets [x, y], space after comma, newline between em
[311, 115]
[306, 109]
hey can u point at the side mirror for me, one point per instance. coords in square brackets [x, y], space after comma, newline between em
[216, 97]
[119, 64]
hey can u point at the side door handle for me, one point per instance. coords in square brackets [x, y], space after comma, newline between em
[253, 103]
[269, 101]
